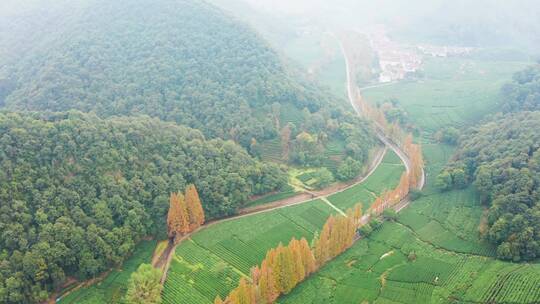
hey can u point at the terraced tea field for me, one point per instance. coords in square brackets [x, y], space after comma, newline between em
[379, 270]
[432, 254]
[454, 91]
[113, 288]
[215, 258]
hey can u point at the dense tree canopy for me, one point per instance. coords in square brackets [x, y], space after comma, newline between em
[502, 159]
[77, 192]
[144, 286]
[164, 84]
[523, 93]
[184, 61]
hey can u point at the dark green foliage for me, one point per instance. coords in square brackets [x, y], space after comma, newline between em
[444, 181]
[183, 61]
[365, 230]
[523, 93]
[415, 194]
[452, 178]
[323, 178]
[449, 135]
[502, 158]
[77, 192]
[349, 169]
[390, 214]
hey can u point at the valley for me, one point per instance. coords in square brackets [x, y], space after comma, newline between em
[258, 152]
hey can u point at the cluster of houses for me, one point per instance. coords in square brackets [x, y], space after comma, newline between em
[397, 61]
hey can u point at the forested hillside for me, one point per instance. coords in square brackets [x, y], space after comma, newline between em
[502, 159]
[523, 93]
[78, 192]
[183, 61]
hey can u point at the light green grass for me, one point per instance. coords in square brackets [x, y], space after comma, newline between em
[454, 92]
[113, 288]
[385, 177]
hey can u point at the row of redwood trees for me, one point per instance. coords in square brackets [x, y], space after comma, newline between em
[185, 213]
[286, 266]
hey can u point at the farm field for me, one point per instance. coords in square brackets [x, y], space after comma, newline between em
[113, 288]
[454, 91]
[216, 257]
[381, 269]
[448, 220]
[385, 177]
[431, 254]
[287, 192]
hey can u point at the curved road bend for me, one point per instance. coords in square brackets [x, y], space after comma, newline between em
[352, 88]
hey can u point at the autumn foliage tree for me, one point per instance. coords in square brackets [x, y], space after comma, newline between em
[194, 207]
[185, 212]
[286, 266]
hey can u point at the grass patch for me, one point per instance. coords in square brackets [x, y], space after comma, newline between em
[385, 177]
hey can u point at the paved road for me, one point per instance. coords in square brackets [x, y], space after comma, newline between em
[355, 98]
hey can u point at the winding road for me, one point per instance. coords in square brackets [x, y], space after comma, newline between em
[164, 261]
[355, 98]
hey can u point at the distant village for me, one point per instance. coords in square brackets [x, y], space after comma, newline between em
[397, 61]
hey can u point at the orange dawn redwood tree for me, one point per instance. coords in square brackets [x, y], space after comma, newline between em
[286, 266]
[194, 207]
[185, 213]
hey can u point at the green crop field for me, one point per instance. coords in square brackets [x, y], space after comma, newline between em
[216, 257]
[449, 263]
[220, 254]
[454, 91]
[378, 270]
[386, 177]
[113, 288]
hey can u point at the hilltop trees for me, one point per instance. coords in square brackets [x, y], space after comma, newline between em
[501, 158]
[185, 212]
[523, 93]
[206, 70]
[78, 192]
